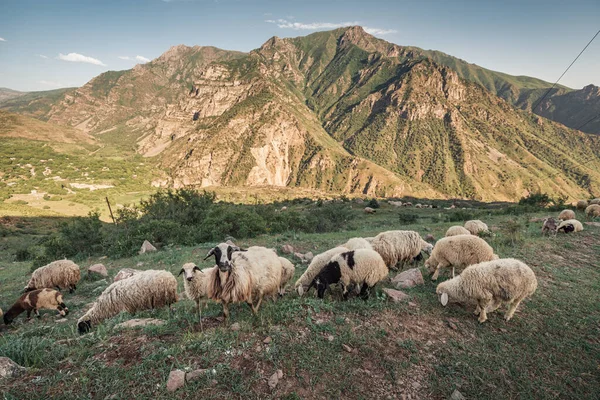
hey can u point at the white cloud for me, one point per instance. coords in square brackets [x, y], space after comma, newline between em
[298, 26]
[51, 83]
[377, 31]
[125, 57]
[142, 59]
[75, 57]
[2, 40]
[43, 56]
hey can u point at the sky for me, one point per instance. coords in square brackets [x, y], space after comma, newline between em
[50, 44]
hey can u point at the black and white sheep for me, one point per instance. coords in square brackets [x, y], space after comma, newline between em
[303, 284]
[570, 225]
[62, 274]
[36, 300]
[400, 246]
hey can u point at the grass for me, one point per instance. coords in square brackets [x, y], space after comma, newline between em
[330, 348]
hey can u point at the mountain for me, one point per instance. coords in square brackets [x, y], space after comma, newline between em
[32, 104]
[7, 94]
[19, 126]
[338, 111]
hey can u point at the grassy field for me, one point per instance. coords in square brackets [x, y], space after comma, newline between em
[326, 349]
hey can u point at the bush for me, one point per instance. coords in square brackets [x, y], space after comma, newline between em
[373, 203]
[536, 199]
[408, 218]
[80, 236]
[460, 215]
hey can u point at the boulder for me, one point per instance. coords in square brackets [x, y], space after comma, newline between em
[99, 269]
[396, 295]
[125, 273]
[300, 256]
[147, 247]
[133, 323]
[176, 380]
[9, 368]
[309, 256]
[274, 379]
[409, 278]
[456, 395]
[287, 249]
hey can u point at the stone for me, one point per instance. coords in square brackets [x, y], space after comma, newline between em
[409, 278]
[456, 395]
[359, 201]
[125, 273]
[235, 326]
[147, 248]
[416, 385]
[396, 295]
[299, 255]
[139, 264]
[267, 340]
[195, 375]
[330, 338]
[347, 348]
[279, 374]
[309, 256]
[99, 269]
[176, 380]
[273, 380]
[134, 323]
[287, 249]
[429, 238]
[9, 368]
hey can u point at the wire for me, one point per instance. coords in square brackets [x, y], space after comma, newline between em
[563, 74]
[587, 122]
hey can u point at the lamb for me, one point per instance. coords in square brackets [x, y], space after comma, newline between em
[399, 246]
[459, 252]
[62, 274]
[582, 205]
[194, 283]
[287, 273]
[357, 243]
[489, 285]
[593, 210]
[244, 276]
[36, 300]
[369, 210]
[457, 230]
[363, 268]
[595, 201]
[476, 226]
[549, 226]
[146, 290]
[570, 225]
[567, 214]
[303, 283]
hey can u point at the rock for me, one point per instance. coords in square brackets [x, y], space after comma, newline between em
[416, 385]
[279, 374]
[176, 380]
[347, 348]
[61, 320]
[429, 238]
[147, 248]
[451, 325]
[267, 340]
[309, 256]
[396, 295]
[99, 269]
[299, 255]
[456, 395]
[9, 368]
[409, 278]
[359, 201]
[134, 323]
[195, 375]
[273, 380]
[330, 338]
[125, 273]
[236, 327]
[287, 249]
[410, 303]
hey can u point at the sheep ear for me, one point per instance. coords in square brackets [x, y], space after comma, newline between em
[180, 272]
[235, 248]
[196, 268]
[444, 299]
[210, 253]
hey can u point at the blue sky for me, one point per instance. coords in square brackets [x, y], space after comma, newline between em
[49, 44]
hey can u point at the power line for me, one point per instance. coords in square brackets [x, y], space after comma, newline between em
[563, 74]
[587, 122]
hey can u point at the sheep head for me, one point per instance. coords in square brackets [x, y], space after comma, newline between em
[442, 293]
[84, 326]
[188, 271]
[331, 273]
[222, 253]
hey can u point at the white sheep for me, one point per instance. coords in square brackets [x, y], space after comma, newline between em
[36, 300]
[63, 274]
[458, 252]
[490, 284]
[194, 283]
[457, 230]
[303, 283]
[146, 290]
[244, 276]
[369, 210]
[595, 201]
[582, 205]
[567, 214]
[593, 210]
[476, 227]
[570, 225]
[357, 243]
[363, 268]
[399, 246]
[287, 273]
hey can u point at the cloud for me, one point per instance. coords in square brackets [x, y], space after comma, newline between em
[43, 56]
[2, 40]
[377, 31]
[75, 57]
[124, 57]
[298, 26]
[51, 83]
[142, 59]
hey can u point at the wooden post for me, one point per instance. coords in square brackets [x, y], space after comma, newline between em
[110, 210]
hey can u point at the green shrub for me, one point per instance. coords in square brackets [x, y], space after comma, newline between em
[460, 215]
[373, 203]
[538, 199]
[407, 218]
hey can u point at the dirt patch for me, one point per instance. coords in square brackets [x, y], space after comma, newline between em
[126, 348]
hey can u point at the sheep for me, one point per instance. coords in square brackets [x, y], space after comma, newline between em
[194, 283]
[36, 300]
[357, 243]
[287, 273]
[476, 226]
[303, 283]
[146, 290]
[593, 210]
[582, 205]
[369, 210]
[62, 274]
[457, 230]
[570, 225]
[363, 268]
[399, 246]
[244, 276]
[595, 201]
[489, 285]
[567, 214]
[458, 251]
[549, 226]
[1, 313]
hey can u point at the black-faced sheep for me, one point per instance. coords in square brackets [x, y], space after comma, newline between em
[399, 246]
[457, 230]
[245, 276]
[490, 284]
[363, 268]
[458, 252]
[36, 300]
[194, 283]
[287, 273]
[593, 210]
[476, 227]
[567, 214]
[146, 290]
[62, 274]
[570, 225]
[303, 283]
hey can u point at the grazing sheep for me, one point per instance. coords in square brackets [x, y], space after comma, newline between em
[363, 268]
[399, 246]
[303, 283]
[549, 226]
[567, 214]
[395, 203]
[457, 230]
[490, 284]
[595, 201]
[582, 205]
[593, 210]
[63, 274]
[476, 227]
[570, 225]
[245, 276]
[1, 313]
[287, 273]
[357, 243]
[459, 252]
[194, 283]
[36, 300]
[146, 290]
[369, 210]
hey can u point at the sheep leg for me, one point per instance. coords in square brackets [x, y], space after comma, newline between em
[28, 314]
[37, 313]
[226, 310]
[255, 308]
[436, 273]
[511, 309]
[482, 304]
[364, 292]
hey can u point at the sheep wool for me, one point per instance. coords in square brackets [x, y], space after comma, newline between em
[195, 282]
[489, 285]
[63, 274]
[570, 225]
[399, 246]
[593, 210]
[567, 214]
[303, 283]
[595, 201]
[476, 226]
[36, 300]
[457, 230]
[1, 313]
[581, 205]
[458, 252]
[147, 290]
[287, 273]
[357, 243]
